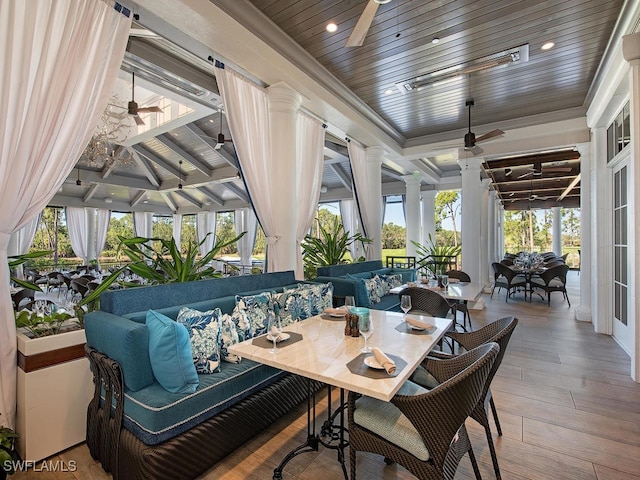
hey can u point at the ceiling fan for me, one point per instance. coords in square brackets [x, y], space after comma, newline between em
[356, 39]
[221, 140]
[470, 138]
[536, 170]
[132, 106]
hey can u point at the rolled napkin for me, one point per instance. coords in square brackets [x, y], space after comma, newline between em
[273, 333]
[414, 322]
[383, 360]
[336, 311]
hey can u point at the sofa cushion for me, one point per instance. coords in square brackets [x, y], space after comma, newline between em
[126, 342]
[253, 310]
[155, 415]
[228, 337]
[312, 299]
[170, 354]
[372, 286]
[392, 280]
[205, 338]
[408, 274]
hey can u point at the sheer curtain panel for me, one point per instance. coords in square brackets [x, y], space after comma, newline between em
[102, 226]
[143, 224]
[60, 61]
[206, 223]
[350, 224]
[310, 155]
[247, 108]
[78, 220]
[361, 190]
[177, 229]
[21, 240]
[246, 221]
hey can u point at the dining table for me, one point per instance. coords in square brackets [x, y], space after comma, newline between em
[318, 349]
[528, 272]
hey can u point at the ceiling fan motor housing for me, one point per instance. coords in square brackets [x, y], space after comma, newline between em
[469, 140]
[132, 108]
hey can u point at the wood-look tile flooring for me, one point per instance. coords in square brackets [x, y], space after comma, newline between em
[568, 408]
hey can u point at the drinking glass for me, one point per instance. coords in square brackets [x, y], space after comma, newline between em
[405, 304]
[445, 281]
[349, 302]
[274, 329]
[366, 329]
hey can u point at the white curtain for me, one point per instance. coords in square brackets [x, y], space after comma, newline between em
[78, 219]
[361, 191]
[60, 61]
[143, 224]
[246, 221]
[21, 240]
[310, 156]
[350, 224]
[247, 110]
[206, 223]
[102, 226]
[177, 228]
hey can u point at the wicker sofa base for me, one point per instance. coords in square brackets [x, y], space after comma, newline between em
[195, 451]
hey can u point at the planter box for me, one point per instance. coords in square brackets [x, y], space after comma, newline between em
[54, 389]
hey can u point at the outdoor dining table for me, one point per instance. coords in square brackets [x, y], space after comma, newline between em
[528, 273]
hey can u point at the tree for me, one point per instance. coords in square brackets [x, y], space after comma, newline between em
[393, 236]
[226, 230]
[448, 206]
[571, 224]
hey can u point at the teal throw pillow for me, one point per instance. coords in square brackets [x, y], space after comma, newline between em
[372, 286]
[205, 337]
[393, 280]
[228, 336]
[313, 298]
[252, 310]
[170, 354]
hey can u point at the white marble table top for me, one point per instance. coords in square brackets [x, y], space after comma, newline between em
[468, 292]
[324, 351]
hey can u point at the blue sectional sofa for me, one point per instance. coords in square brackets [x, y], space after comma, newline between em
[354, 279]
[149, 432]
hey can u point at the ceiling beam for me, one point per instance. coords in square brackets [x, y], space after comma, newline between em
[430, 174]
[212, 196]
[143, 163]
[182, 193]
[221, 174]
[571, 186]
[197, 164]
[117, 152]
[392, 173]
[166, 196]
[520, 160]
[237, 191]
[211, 143]
[342, 175]
[90, 193]
[89, 176]
[138, 198]
[161, 162]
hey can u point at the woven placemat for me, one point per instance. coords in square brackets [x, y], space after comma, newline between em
[404, 327]
[263, 342]
[358, 366]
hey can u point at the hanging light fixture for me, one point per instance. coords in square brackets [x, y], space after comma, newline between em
[180, 180]
[78, 181]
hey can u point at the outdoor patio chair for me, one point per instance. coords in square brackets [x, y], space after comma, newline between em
[553, 279]
[461, 306]
[505, 277]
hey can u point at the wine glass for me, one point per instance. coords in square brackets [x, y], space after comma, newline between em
[274, 329]
[445, 281]
[405, 304]
[366, 329]
[349, 302]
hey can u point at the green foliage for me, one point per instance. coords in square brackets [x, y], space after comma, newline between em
[447, 205]
[7, 439]
[393, 236]
[435, 258]
[329, 248]
[17, 260]
[226, 231]
[41, 325]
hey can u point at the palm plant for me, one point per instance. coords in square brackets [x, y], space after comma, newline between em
[436, 259]
[16, 260]
[329, 248]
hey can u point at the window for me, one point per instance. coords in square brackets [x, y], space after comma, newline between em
[618, 133]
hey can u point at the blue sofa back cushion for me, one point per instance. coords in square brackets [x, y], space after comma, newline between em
[352, 268]
[170, 354]
[157, 297]
[124, 341]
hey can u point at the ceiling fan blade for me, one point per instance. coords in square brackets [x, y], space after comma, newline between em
[524, 175]
[493, 133]
[476, 150]
[558, 169]
[138, 120]
[153, 109]
[356, 39]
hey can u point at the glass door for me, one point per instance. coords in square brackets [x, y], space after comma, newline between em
[621, 329]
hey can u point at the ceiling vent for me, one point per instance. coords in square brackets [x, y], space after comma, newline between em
[501, 59]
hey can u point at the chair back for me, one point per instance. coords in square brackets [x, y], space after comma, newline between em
[21, 295]
[459, 274]
[427, 301]
[558, 271]
[451, 402]
[502, 270]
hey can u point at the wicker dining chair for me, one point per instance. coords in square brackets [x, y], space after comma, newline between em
[20, 296]
[462, 306]
[505, 277]
[427, 301]
[429, 438]
[553, 279]
[430, 373]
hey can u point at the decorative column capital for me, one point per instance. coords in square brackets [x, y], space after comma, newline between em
[470, 164]
[584, 149]
[429, 194]
[413, 179]
[631, 47]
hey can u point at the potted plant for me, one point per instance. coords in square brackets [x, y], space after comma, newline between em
[329, 248]
[436, 259]
[8, 454]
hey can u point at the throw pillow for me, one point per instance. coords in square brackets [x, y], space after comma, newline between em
[372, 287]
[228, 336]
[317, 296]
[170, 354]
[204, 335]
[392, 281]
[290, 307]
[252, 310]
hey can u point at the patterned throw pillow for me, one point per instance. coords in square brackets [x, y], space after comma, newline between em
[392, 280]
[316, 296]
[372, 285]
[250, 314]
[204, 335]
[228, 336]
[290, 306]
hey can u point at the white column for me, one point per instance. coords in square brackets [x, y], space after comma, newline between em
[472, 197]
[428, 215]
[500, 234]
[583, 312]
[484, 232]
[91, 214]
[283, 108]
[492, 230]
[556, 231]
[374, 163]
[412, 209]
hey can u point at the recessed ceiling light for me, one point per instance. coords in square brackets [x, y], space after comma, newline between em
[145, 201]
[332, 27]
[547, 46]
[435, 40]
[389, 91]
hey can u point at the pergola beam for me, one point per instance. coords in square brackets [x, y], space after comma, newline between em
[215, 198]
[138, 198]
[161, 162]
[344, 178]
[166, 196]
[197, 164]
[143, 163]
[90, 193]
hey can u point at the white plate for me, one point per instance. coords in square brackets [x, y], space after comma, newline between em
[420, 329]
[338, 315]
[281, 338]
[373, 363]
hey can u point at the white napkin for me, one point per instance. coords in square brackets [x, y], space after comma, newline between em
[388, 364]
[336, 311]
[274, 334]
[414, 322]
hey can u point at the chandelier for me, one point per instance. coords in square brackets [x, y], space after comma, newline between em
[104, 149]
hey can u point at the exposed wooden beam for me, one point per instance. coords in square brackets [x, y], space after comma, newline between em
[222, 174]
[182, 193]
[90, 193]
[143, 163]
[198, 164]
[161, 162]
[118, 151]
[138, 198]
[90, 176]
[530, 159]
[211, 143]
[342, 175]
[570, 187]
[215, 198]
[166, 196]
[392, 173]
[237, 191]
